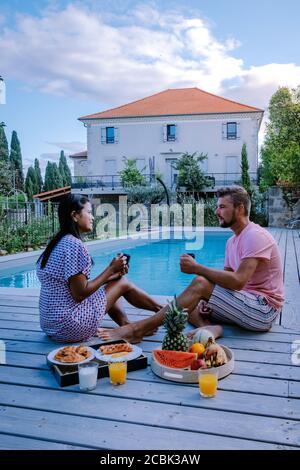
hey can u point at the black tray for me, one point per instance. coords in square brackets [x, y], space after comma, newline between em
[68, 375]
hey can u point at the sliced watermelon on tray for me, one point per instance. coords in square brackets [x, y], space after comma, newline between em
[174, 359]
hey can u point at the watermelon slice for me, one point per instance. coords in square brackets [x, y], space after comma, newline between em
[174, 359]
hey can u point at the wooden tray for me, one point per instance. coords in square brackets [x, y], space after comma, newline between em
[191, 376]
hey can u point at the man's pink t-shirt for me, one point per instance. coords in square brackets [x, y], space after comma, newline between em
[267, 280]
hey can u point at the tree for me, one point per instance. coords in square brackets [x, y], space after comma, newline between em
[16, 161]
[38, 175]
[31, 183]
[190, 174]
[245, 181]
[281, 149]
[4, 154]
[64, 170]
[53, 179]
[5, 183]
[130, 175]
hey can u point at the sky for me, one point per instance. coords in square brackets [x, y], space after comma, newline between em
[64, 59]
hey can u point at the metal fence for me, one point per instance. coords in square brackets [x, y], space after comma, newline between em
[27, 224]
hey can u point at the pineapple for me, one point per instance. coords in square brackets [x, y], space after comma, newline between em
[174, 323]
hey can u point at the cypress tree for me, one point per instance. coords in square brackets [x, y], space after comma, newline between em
[38, 174]
[64, 170]
[16, 161]
[31, 184]
[48, 183]
[246, 183]
[57, 179]
[53, 179]
[4, 155]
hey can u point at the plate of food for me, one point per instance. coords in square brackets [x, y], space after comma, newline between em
[71, 355]
[118, 352]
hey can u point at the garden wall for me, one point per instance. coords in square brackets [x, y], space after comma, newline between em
[278, 211]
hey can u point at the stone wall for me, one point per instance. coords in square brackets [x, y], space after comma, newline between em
[278, 210]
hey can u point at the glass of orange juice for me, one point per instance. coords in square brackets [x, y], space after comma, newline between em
[117, 372]
[208, 382]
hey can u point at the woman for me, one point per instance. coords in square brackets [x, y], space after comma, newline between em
[72, 307]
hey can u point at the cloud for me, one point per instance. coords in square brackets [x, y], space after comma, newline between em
[84, 53]
[69, 147]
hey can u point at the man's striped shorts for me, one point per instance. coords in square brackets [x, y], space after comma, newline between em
[247, 310]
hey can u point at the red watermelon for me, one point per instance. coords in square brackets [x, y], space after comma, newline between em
[174, 359]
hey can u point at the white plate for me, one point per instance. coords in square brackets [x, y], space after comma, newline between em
[136, 352]
[51, 355]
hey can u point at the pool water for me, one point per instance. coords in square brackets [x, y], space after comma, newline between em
[153, 266]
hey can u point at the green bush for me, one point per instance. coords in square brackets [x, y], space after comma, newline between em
[130, 175]
[18, 236]
[145, 195]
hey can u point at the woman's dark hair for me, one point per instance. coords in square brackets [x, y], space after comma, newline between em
[67, 205]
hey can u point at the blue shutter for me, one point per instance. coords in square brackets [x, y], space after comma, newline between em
[116, 129]
[103, 135]
[224, 131]
[164, 133]
[238, 130]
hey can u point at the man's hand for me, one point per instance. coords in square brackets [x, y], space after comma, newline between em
[187, 264]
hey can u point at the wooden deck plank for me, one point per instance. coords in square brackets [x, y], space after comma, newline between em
[104, 434]
[239, 383]
[229, 332]
[290, 313]
[154, 414]
[13, 442]
[257, 369]
[183, 394]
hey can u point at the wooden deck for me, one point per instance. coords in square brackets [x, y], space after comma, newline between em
[257, 407]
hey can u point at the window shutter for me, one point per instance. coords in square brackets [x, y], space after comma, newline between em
[164, 130]
[176, 132]
[116, 129]
[224, 131]
[103, 135]
[238, 130]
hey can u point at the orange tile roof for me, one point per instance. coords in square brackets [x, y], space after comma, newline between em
[178, 101]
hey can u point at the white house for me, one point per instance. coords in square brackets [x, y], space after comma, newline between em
[157, 129]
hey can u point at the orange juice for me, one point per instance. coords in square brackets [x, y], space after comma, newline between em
[208, 385]
[117, 372]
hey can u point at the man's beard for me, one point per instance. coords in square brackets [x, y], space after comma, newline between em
[228, 224]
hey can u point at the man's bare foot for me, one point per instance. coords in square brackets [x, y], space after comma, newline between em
[216, 330]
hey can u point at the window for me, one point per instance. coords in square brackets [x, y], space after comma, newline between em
[110, 135]
[231, 130]
[171, 132]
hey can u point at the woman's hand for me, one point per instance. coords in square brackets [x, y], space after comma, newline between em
[117, 268]
[187, 264]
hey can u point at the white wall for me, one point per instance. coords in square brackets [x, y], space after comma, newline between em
[143, 138]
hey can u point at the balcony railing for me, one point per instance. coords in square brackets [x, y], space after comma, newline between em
[227, 179]
[104, 182]
[113, 182]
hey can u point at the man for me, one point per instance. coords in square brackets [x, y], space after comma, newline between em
[248, 292]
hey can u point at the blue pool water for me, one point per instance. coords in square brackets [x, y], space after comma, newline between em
[153, 266]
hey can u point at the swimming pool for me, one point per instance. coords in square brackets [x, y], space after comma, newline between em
[154, 266]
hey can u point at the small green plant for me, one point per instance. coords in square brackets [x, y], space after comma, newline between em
[130, 175]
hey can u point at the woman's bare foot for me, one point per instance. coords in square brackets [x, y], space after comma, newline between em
[216, 330]
[128, 332]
